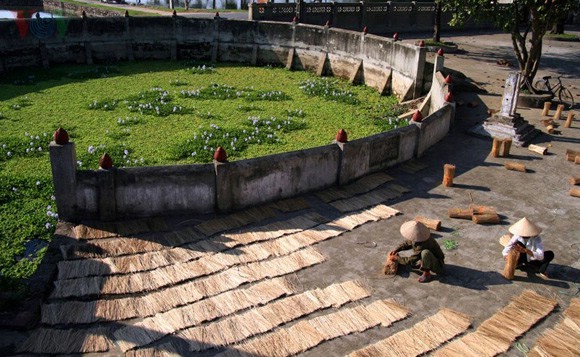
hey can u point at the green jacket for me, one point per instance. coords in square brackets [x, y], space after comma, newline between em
[430, 244]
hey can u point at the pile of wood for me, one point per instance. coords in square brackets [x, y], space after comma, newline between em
[477, 213]
[573, 156]
[501, 147]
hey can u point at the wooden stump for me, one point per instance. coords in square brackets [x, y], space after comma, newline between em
[511, 262]
[505, 147]
[574, 180]
[514, 166]
[558, 113]
[432, 224]
[547, 106]
[575, 192]
[569, 120]
[571, 155]
[495, 147]
[460, 213]
[550, 129]
[538, 149]
[448, 174]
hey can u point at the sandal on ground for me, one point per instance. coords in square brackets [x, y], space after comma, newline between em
[424, 278]
[544, 276]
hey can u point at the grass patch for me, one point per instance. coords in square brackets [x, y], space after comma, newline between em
[157, 113]
[450, 244]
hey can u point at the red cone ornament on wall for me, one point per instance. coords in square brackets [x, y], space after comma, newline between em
[396, 36]
[417, 117]
[449, 97]
[440, 52]
[341, 136]
[448, 79]
[105, 162]
[60, 136]
[220, 155]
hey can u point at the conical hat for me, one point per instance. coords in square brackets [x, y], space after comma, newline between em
[525, 228]
[415, 231]
[505, 239]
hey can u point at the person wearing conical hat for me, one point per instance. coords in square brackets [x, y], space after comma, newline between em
[526, 240]
[427, 254]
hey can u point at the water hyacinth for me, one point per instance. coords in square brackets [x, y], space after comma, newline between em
[222, 91]
[129, 121]
[28, 145]
[259, 131]
[201, 69]
[328, 89]
[105, 104]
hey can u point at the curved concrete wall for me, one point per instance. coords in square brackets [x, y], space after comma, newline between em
[376, 61]
[164, 190]
[141, 192]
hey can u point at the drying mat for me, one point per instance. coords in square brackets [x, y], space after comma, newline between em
[353, 220]
[369, 199]
[307, 334]
[76, 340]
[166, 299]
[496, 334]
[291, 204]
[363, 185]
[269, 231]
[236, 220]
[159, 256]
[423, 337]
[264, 318]
[413, 166]
[129, 245]
[208, 264]
[153, 328]
[99, 230]
[564, 339]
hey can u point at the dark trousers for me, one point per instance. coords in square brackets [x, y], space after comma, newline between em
[541, 265]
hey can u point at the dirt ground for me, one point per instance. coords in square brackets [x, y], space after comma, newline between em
[472, 283]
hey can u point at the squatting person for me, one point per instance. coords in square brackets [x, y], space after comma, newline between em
[427, 254]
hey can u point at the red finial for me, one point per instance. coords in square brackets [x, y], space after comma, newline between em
[365, 30]
[174, 13]
[417, 117]
[396, 36]
[327, 23]
[449, 97]
[60, 136]
[440, 52]
[295, 19]
[217, 14]
[126, 13]
[448, 79]
[84, 14]
[341, 136]
[105, 162]
[421, 43]
[220, 155]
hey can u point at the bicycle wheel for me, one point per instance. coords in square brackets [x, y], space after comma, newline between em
[566, 98]
[541, 85]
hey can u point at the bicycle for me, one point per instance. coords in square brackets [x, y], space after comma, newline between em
[564, 94]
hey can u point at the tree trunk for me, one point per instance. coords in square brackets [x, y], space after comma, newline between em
[437, 25]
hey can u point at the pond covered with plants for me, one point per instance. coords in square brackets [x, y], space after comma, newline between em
[157, 113]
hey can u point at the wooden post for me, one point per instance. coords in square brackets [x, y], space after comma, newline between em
[511, 262]
[448, 174]
[514, 166]
[495, 147]
[505, 147]
[569, 120]
[538, 149]
[547, 106]
[485, 218]
[432, 224]
[575, 192]
[558, 113]
[574, 180]
[460, 213]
